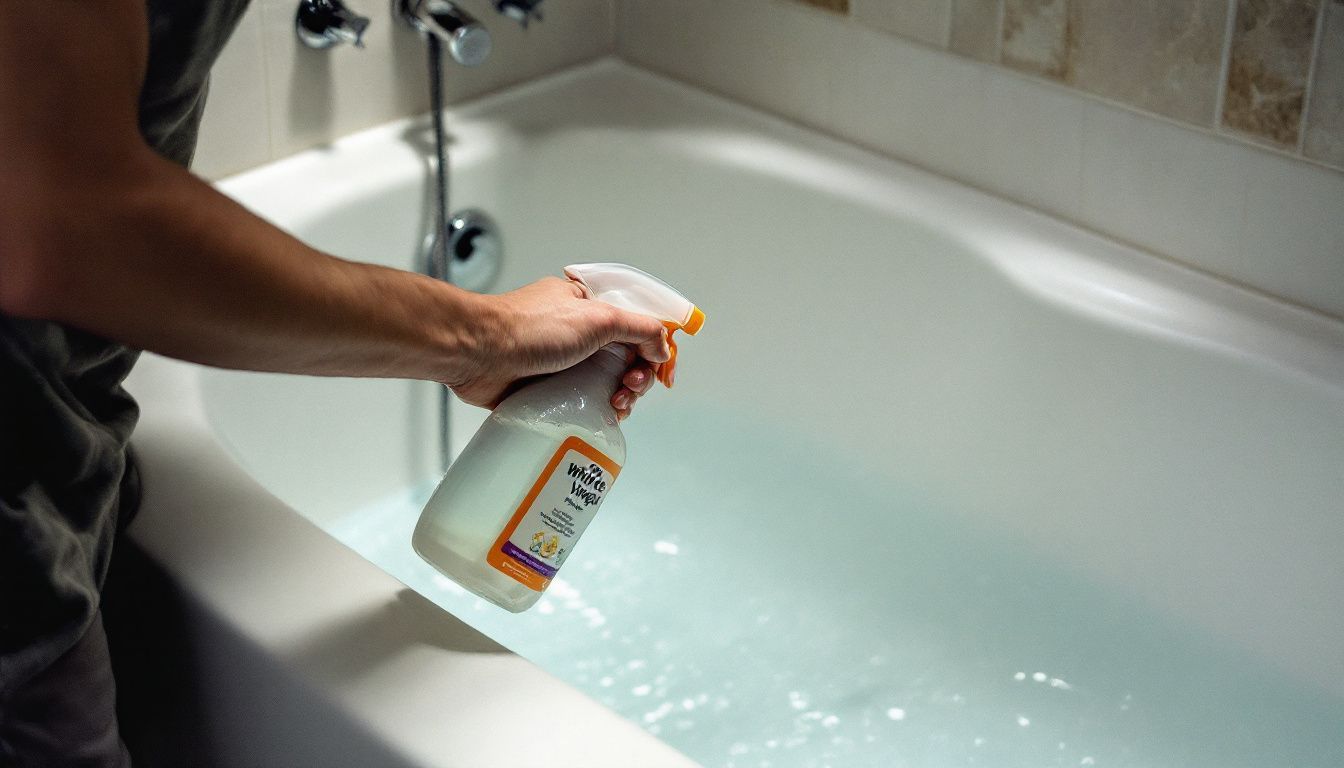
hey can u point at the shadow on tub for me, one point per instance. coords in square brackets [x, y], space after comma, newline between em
[192, 691]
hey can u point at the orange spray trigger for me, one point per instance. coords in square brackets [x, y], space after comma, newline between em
[667, 372]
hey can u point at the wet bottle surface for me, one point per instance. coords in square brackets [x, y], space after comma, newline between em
[513, 505]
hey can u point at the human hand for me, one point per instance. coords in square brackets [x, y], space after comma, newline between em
[549, 326]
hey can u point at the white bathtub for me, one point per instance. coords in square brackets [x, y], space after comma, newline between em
[943, 481]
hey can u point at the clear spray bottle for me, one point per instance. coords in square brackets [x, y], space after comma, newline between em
[512, 506]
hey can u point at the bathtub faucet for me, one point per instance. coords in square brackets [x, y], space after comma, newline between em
[467, 40]
[321, 24]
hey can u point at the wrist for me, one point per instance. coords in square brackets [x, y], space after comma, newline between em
[471, 335]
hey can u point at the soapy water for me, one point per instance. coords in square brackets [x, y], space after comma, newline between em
[757, 601]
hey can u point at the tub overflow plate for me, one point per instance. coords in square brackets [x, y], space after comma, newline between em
[475, 250]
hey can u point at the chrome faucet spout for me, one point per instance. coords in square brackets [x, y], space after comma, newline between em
[467, 41]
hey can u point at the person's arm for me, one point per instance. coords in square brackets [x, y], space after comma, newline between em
[100, 233]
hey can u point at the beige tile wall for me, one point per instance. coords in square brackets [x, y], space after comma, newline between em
[1267, 71]
[975, 29]
[1324, 137]
[1268, 66]
[1162, 56]
[271, 97]
[928, 21]
[1119, 135]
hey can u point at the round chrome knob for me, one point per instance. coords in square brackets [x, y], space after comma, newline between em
[469, 45]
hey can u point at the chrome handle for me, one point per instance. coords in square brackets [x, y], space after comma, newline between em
[467, 40]
[323, 23]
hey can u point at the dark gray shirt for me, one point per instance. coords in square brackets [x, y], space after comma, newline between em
[66, 483]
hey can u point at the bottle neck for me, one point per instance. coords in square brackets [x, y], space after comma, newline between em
[598, 374]
[614, 354]
[606, 365]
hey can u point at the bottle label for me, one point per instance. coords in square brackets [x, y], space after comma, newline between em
[553, 515]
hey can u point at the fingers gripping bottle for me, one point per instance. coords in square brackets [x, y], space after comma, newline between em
[513, 505]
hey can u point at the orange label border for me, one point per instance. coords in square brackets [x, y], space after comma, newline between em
[511, 567]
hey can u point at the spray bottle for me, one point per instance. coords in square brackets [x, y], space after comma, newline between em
[513, 505]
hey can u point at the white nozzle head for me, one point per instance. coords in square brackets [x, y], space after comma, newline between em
[629, 288]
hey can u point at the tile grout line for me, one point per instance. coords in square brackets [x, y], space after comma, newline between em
[1001, 12]
[1309, 87]
[1225, 67]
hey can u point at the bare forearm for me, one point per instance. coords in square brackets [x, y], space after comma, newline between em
[150, 256]
[98, 232]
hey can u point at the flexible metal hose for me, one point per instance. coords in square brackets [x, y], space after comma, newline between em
[438, 252]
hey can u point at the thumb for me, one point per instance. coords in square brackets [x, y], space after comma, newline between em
[644, 333]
